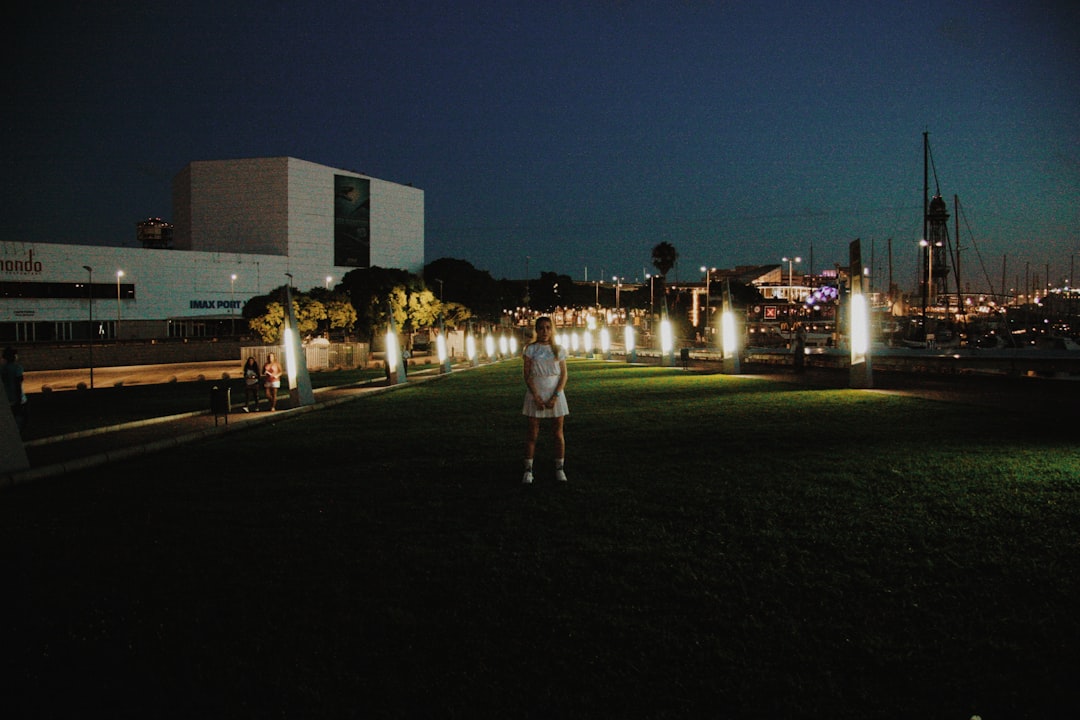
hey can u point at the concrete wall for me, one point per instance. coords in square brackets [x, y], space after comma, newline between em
[111, 354]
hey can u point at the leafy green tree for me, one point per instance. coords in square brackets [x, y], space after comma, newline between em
[423, 310]
[455, 315]
[340, 314]
[309, 313]
[269, 324]
[369, 290]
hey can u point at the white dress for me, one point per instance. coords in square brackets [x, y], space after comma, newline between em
[546, 369]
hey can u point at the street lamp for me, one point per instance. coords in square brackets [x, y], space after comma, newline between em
[708, 292]
[791, 286]
[618, 286]
[119, 274]
[90, 305]
[791, 273]
[328, 279]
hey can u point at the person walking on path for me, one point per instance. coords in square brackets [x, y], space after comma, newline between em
[11, 376]
[271, 379]
[545, 379]
[799, 350]
[251, 384]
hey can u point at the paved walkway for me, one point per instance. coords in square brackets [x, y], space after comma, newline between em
[53, 456]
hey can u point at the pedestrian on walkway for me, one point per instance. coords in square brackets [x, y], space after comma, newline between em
[251, 384]
[11, 376]
[799, 349]
[271, 379]
[545, 378]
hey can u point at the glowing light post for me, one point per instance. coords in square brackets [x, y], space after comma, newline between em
[470, 347]
[300, 391]
[119, 274]
[489, 347]
[861, 372]
[667, 339]
[605, 342]
[729, 335]
[440, 347]
[395, 364]
[629, 339]
[90, 305]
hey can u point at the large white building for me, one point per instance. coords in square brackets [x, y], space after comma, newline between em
[242, 228]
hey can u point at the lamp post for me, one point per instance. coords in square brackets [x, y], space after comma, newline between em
[791, 285]
[708, 293]
[328, 281]
[618, 286]
[232, 304]
[791, 272]
[90, 306]
[119, 274]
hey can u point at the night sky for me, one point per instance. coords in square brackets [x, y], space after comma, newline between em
[561, 136]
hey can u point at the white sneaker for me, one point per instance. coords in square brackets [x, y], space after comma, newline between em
[526, 479]
[560, 475]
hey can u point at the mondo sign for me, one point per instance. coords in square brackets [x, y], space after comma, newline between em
[27, 266]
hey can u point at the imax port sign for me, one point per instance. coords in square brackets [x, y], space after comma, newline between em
[214, 304]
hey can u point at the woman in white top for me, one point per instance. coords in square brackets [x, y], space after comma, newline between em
[545, 378]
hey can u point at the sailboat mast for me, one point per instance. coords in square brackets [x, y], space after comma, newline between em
[956, 261]
[924, 276]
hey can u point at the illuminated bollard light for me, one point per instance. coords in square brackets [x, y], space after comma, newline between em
[605, 343]
[470, 350]
[630, 340]
[667, 343]
[729, 342]
[444, 356]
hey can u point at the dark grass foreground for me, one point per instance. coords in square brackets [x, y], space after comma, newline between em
[726, 547]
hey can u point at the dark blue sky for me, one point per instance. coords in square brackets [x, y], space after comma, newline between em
[577, 134]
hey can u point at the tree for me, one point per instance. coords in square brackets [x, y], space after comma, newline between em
[340, 314]
[369, 290]
[458, 281]
[664, 257]
[268, 325]
[550, 291]
[455, 315]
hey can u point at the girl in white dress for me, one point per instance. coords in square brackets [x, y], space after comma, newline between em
[545, 378]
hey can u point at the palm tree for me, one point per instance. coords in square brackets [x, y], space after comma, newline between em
[664, 256]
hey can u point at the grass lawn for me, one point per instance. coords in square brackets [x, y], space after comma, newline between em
[726, 547]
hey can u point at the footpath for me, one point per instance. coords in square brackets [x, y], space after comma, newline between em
[61, 454]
